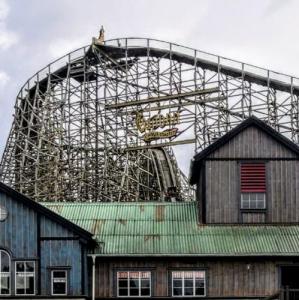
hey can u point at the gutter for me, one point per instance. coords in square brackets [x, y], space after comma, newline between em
[196, 255]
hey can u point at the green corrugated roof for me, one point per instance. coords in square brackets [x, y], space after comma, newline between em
[172, 229]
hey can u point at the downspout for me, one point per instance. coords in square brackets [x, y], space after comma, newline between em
[93, 276]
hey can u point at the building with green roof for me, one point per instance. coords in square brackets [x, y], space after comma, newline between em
[238, 240]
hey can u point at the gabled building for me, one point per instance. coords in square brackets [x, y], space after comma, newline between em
[250, 175]
[238, 240]
[42, 255]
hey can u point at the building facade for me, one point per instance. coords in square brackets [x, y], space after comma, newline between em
[238, 240]
[42, 254]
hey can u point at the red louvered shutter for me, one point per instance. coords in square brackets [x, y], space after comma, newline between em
[253, 178]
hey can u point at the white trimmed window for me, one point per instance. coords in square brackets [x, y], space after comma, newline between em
[188, 283]
[253, 186]
[134, 284]
[253, 201]
[59, 282]
[25, 278]
[5, 273]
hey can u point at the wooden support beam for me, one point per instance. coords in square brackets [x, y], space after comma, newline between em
[188, 102]
[162, 98]
[175, 143]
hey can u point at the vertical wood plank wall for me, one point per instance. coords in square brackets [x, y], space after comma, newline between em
[224, 278]
[222, 180]
[19, 236]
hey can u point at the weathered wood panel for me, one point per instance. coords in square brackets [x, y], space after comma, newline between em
[61, 253]
[222, 196]
[252, 143]
[18, 232]
[253, 217]
[53, 229]
[222, 183]
[50, 246]
[226, 278]
[283, 191]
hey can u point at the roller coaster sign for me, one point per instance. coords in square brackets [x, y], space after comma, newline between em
[155, 122]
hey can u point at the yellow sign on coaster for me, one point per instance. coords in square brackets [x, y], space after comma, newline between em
[155, 135]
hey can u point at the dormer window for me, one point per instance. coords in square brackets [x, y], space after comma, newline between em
[253, 186]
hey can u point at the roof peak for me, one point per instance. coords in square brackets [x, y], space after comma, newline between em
[250, 121]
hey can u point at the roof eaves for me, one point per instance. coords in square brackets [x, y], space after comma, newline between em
[46, 212]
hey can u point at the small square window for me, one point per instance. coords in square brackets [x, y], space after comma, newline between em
[59, 282]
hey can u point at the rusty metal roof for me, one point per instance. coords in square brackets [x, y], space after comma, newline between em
[172, 229]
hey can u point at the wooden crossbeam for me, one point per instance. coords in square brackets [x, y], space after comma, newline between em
[162, 98]
[175, 143]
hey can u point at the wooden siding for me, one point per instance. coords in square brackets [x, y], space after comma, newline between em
[55, 247]
[253, 217]
[222, 192]
[252, 143]
[52, 229]
[18, 231]
[222, 183]
[61, 254]
[224, 278]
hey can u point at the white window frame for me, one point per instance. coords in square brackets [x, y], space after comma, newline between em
[34, 277]
[66, 282]
[183, 284]
[139, 278]
[7, 273]
[250, 196]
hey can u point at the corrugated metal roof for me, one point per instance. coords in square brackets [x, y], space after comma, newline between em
[172, 229]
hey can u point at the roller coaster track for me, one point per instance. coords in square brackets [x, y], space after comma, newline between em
[74, 134]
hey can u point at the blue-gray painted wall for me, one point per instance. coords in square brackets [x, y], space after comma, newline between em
[19, 235]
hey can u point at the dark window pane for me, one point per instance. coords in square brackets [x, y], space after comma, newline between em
[59, 288]
[188, 291]
[134, 292]
[134, 283]
[59, 274]
[199, 283]
[123, 283]
[177, 283]
[20, 267]
[123, 292]
[188, 282]
[177, 291]
[199, 291]
[29, 266]
[145, 283]
[29, 285]
[145, 292]
[5, 262]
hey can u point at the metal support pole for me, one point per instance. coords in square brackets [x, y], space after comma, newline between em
[93, 276]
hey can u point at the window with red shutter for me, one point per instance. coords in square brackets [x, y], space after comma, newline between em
[253, 186]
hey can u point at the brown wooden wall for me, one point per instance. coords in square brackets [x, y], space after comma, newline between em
[222, 180]
[224, 278]
[253, 143]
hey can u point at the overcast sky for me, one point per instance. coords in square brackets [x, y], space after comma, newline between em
[35, 32]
